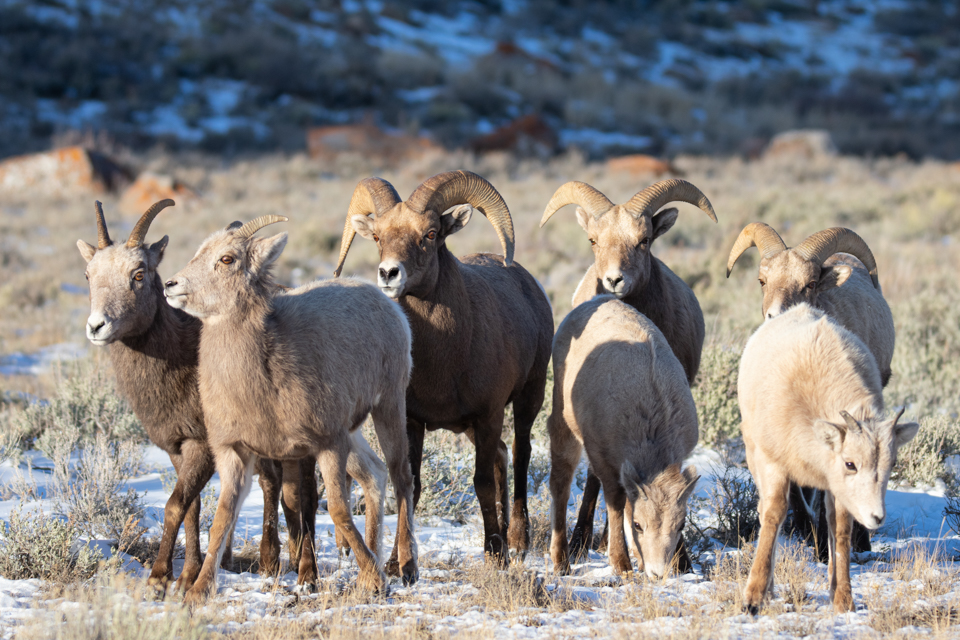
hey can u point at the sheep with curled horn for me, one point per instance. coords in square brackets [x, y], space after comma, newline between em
[833, 270]
[482, 328]
[622, 237]
[812, 406]
[153, 348]
[293, 374]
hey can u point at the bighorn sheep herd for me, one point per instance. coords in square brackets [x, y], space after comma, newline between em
[228, 371]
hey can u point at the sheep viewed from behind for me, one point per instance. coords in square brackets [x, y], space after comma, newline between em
[482, 327]
[620, 393]
[293, 374]
[810, 397]
[622, 238]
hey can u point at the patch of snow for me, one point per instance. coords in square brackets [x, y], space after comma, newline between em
[595, 140]
[41, 361]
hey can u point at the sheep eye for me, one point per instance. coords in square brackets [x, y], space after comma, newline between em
[432, 235]
[138, 276]
[376, 238]
[763, 283]
[812, 286]
[227, 259]
[637, 527]
[87, 276]
[593, 242]
[645, 242]
[851, 467]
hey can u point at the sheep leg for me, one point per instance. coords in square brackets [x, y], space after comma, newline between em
[367, 469]
[270, 541]
[415, 435]
[565, 452]
[803, 516]
[682, 558]
[333, 468]
[838, 568]
[582, 537]
[194, 467]
[300, 498]
[486, 435]
[525, 412]
[503, 488]
[236, 470]
[616, 499]
[773, 488]
[388, 420]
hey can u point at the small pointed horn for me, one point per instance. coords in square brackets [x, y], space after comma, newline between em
[143, 224]
[103, 238]
[449, 189]
[658, 194]
[579, 193]
[824, 244]
[256, 224]
[759, 235]
[896, 418]
[371, 196]
[852, 424]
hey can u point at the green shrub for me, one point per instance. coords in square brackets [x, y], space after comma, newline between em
[446, 475]
[715, 393]
[35, 545]
[921, 461]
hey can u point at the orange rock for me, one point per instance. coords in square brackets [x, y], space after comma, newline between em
[801, 143]
[642, 165]
[62, 172]
[150, 188]
[327, 143]
[528, 135]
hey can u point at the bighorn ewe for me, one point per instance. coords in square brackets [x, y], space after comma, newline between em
[620, 393]
[811, 401]
[482, 327]
[154, 353]
[819, 272]
[622, 237]
[291, 374]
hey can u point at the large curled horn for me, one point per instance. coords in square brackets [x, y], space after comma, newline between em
[449, 189]
[143, 224]
[673, 190]
[759, 235]
[824, 244]
[579, 193]
[372, 195]
[256, 224]
[103, 238]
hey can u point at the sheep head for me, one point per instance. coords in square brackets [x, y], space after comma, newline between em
[860, 455]
[123, 279]
[791, 276]
[229, 273]
[655, 512]
[622, 235]
[410, 233]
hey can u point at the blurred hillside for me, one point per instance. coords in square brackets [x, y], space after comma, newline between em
[605, 76]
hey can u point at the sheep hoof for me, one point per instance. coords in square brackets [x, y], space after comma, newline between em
[751, 609]
[410, 574]
[392, 568]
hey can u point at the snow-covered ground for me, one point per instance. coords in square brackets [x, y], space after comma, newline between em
[449, 599]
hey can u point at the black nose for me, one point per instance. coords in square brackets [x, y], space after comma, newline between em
[170, 283]
[96, 329]
[389, 274]
[613, 281]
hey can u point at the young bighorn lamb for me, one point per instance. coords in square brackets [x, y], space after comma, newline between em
[833, 270]
[482, 327]
[153, 349]
[291, 374]
[620, 393]
[810, 397]
[622, 237]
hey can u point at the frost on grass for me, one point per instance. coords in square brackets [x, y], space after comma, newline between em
[727, 515]
[37, 545]
[921, 462]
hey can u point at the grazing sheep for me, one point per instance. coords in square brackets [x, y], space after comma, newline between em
[622, 237]
[833, 270]
[482, 327]
[153, 349]
[620, 393]
[812, 407]
[291, 374]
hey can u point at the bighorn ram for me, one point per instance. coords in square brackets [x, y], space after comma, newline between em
[812, 407]
[154, 353]
[482, 327]
[291, 374]
[818, 272]
[620, 393]
[622, 237]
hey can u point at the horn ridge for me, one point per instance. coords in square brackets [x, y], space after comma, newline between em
[823, 244]
[673, 190]
[143, 224]
[256, 224]
[756, 234]
[371, 195]
[103, 238]
[579, 193]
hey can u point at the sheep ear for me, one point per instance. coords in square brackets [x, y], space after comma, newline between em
[363, 225]
[832, 277]
[830, 434]
[903, 433]
[155, 251]
[664, 221]
[86, 250]
[455, 219]
[582, 218]
[690, 475]
[630, 480]
[265, 251]
[236, 224]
